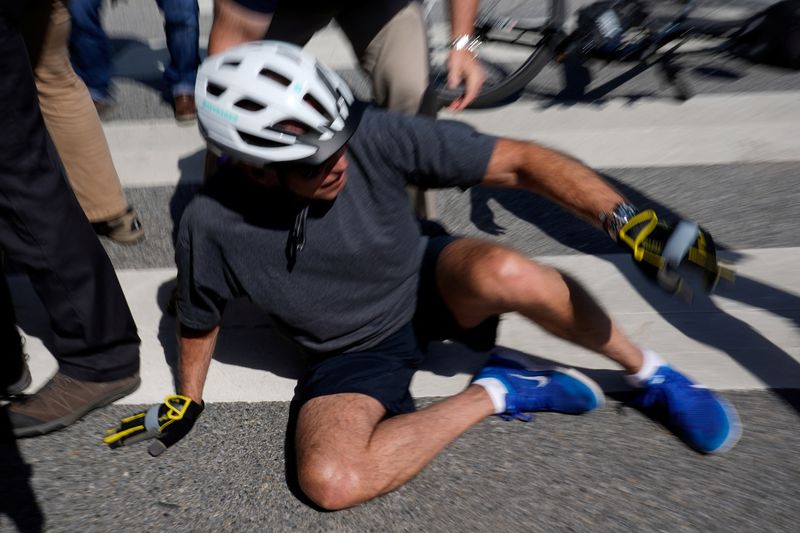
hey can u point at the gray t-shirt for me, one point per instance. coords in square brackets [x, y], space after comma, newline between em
[354, 282]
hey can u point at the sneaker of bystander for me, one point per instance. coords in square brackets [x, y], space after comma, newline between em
[124, 229]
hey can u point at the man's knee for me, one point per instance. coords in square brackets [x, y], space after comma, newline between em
[330, 483]
[498, 274]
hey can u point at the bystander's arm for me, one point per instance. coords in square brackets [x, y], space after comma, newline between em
[235, 24]
[462, 63]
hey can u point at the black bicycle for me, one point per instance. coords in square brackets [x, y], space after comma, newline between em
[518, 38]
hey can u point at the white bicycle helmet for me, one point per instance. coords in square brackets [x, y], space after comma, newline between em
[253, 99]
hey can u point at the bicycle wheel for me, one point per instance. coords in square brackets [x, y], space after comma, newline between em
[518, 38]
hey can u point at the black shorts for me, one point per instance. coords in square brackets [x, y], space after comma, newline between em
[384, 371]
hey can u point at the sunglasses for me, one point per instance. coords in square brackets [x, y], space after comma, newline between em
[308, 172]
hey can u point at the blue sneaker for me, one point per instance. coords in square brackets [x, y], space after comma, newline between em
[700, 418]
[530, 389]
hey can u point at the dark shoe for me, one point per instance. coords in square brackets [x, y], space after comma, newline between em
[62, 401]
[184, 108]
[125, 229]
[103, 106]
[15, 376]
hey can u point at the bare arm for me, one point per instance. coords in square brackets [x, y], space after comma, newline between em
[234, 24]
[196, 349]
[551, 174]
[463, 64]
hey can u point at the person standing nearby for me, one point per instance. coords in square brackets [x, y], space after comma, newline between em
[91, 51]
[42, 229]
[389, 39]
[74, 125]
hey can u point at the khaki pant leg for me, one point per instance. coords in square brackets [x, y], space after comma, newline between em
[396, 58]
[73, 123]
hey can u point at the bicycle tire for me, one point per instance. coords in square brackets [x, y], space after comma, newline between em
[545, 37]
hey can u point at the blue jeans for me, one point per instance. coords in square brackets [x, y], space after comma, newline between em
[91, 50]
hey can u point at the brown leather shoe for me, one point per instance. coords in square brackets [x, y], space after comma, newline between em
[104, 107]
[63, 401]
[184, 108]
[125, 229]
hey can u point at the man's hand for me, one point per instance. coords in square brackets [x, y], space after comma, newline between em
[669, 253]
[168, 423]
[463, 65]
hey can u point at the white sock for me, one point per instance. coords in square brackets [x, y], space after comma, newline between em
[649, 366]
[497, 392]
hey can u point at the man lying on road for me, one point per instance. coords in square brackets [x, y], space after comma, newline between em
[309, 219]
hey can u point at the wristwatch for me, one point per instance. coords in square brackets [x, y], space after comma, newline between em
[465, 42]
[618, 217]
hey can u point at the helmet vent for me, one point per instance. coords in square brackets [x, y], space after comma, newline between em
[323, 76]
[231, 63]
[292, 127]
[214, 89]
[249, 105]
[274, 76]
[254, 140]
[313, 102]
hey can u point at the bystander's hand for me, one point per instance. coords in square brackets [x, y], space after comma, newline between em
[463, 67]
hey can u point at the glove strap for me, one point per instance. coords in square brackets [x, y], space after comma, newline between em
[677, 246]
[151, 420]
[635, 243]
[176, 408]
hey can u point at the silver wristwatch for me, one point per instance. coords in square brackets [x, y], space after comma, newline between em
[465, 42]
[613, 221]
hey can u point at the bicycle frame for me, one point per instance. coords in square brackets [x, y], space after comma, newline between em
[648, 50]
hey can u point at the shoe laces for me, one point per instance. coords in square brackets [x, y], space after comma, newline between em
[57, 389]
[522, 417]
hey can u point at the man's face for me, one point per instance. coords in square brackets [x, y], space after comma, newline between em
[323, 182]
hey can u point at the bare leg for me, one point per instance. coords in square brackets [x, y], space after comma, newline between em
[347, 453]
[478, 279]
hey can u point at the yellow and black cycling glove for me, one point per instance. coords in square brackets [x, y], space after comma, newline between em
[670, 254]
[168, 423]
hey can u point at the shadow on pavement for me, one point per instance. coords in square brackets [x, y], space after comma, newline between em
[246, 339]
[191, 170]
[17, 498]
[714, 327]
[134, 59]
